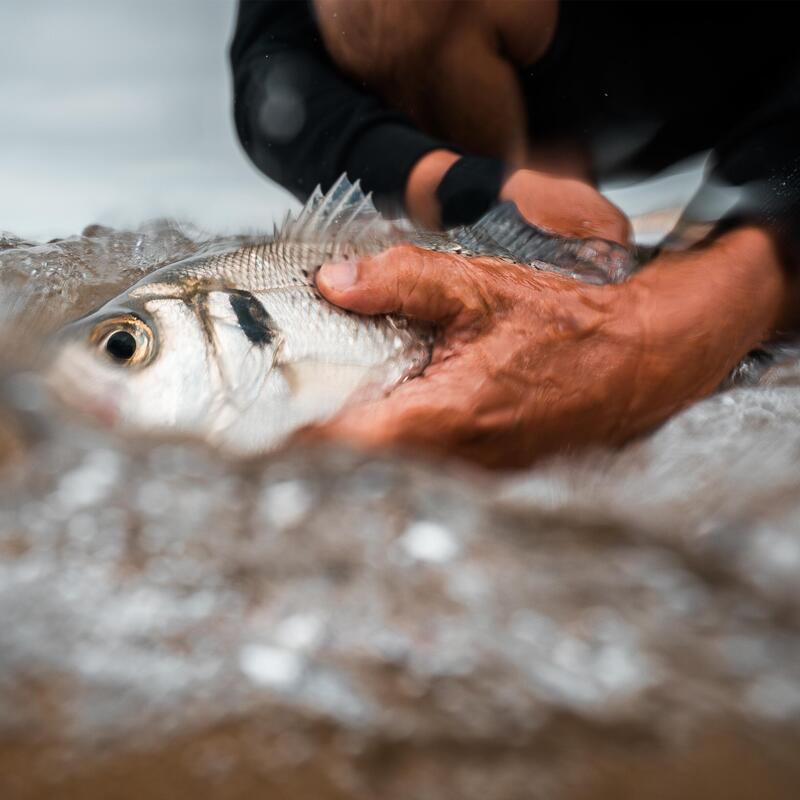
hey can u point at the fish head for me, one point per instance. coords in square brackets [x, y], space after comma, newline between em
[137, 363]
[200, 348]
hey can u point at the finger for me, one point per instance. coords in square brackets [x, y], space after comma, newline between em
[430, 286]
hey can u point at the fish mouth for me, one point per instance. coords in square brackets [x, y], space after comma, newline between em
[76, 381]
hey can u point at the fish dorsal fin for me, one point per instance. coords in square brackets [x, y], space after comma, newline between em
[344, 213]
[504, 230]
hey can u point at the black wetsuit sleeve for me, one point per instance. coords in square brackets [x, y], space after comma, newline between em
[301, 121]
[755, 170]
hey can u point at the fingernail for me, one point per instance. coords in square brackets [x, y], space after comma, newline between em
[340, 276]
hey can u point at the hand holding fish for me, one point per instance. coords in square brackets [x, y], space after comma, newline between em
[542, 344]
[528, 363]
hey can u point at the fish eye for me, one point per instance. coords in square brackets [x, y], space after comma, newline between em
[126, 340]
[121, 345]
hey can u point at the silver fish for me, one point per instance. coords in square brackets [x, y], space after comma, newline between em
[240, 349]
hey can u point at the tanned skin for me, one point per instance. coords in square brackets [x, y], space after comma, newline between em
[528, 364]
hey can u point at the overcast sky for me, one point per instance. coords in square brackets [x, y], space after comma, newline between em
[117, 111]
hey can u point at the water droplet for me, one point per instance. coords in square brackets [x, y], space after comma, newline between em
[429, 541]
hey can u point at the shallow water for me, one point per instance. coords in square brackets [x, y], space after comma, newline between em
[324, 624]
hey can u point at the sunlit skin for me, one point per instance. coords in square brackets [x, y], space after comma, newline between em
[527, 364]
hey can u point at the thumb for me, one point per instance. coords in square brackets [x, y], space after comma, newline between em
[423, 284]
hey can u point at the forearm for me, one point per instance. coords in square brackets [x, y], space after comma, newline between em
[699, 312]
[303, 122]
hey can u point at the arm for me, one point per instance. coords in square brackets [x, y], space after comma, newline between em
[301, 121]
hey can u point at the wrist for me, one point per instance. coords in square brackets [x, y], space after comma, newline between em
[469, 189]
[421, 202]
[733, 289]
[446, 190]
[699, 312]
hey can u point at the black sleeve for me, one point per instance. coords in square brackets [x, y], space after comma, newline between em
[301, 121]
[755, 171]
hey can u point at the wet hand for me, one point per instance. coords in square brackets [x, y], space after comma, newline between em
[528, 363]
[525, 363]
[566, 206]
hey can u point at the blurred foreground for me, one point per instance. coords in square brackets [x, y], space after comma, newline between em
[327, 625]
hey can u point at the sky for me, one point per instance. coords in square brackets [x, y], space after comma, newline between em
[119, 111]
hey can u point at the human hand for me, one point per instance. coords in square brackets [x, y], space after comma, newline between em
[524, 362]
[528, 363]
[565, 206]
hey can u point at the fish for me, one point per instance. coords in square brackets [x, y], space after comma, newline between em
[239, 348]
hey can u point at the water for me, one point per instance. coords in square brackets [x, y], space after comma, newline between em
[332, 623]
